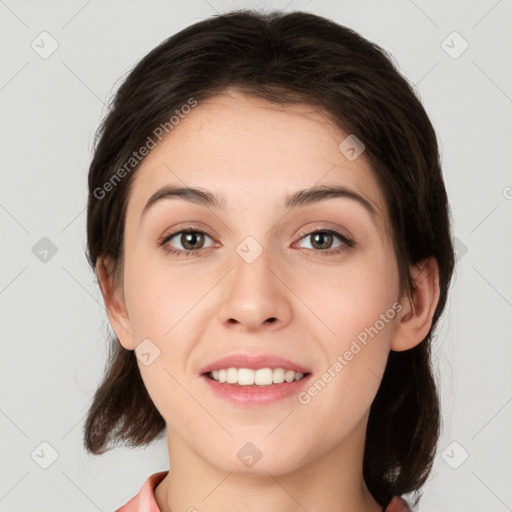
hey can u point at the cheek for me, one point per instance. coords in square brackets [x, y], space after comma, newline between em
[159, 298]
[344, 300]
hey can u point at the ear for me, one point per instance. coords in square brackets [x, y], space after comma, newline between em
[415, 318]
[114, 302]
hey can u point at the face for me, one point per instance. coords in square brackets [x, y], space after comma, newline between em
[315, 282]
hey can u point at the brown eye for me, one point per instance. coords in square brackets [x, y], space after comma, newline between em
[185, 241]
[190, 240]
[321, 240]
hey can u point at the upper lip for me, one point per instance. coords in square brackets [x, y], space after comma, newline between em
[254, 361]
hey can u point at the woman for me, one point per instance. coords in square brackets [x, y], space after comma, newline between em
[270, 230]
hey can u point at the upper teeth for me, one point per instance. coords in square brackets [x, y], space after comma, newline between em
[260, 377]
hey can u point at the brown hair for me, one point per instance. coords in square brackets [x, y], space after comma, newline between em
[287, 58]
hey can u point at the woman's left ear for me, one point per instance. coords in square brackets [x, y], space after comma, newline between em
[415, 317]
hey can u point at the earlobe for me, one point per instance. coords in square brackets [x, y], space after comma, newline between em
[114, 302]
[417, 312]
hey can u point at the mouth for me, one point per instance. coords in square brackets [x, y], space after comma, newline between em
[246, 387]
[248, 377]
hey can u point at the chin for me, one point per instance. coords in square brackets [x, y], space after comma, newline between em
[250, 459]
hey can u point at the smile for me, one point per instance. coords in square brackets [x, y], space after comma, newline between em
[250, 377]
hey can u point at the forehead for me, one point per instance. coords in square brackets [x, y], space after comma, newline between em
[248, 150]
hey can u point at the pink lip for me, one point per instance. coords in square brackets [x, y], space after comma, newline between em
[254, 361]
[245, 395]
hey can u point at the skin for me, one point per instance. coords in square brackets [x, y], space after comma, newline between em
[198, 308]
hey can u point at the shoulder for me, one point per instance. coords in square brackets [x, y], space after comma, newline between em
[398, 504]
[145, 499]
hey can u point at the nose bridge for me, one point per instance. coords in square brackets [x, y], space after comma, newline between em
[252, 277]
[254, 294]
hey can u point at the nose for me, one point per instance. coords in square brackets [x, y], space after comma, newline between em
[254, 296]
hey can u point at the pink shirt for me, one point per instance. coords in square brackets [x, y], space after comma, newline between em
[145, 500]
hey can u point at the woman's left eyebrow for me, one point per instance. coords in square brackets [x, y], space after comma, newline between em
[207, 198]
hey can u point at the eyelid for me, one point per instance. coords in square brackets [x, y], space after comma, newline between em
[346, 239]
[325, 227]
[199, 227]
[177, 230]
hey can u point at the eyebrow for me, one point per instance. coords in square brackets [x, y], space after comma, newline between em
[301, 197]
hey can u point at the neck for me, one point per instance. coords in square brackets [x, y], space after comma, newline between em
[332, 481]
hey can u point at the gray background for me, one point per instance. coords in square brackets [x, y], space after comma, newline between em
[52, 317]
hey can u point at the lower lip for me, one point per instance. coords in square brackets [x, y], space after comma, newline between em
[257, 395]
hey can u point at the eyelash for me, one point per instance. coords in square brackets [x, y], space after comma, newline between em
[348, 242]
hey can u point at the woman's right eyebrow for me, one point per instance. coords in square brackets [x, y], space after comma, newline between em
[298, 198]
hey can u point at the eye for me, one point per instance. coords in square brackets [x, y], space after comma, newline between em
[322, 240]
[190, 240]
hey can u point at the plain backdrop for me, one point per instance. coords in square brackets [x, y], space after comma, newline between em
[53, 322]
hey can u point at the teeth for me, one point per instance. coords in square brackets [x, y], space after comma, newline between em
[260, 377]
